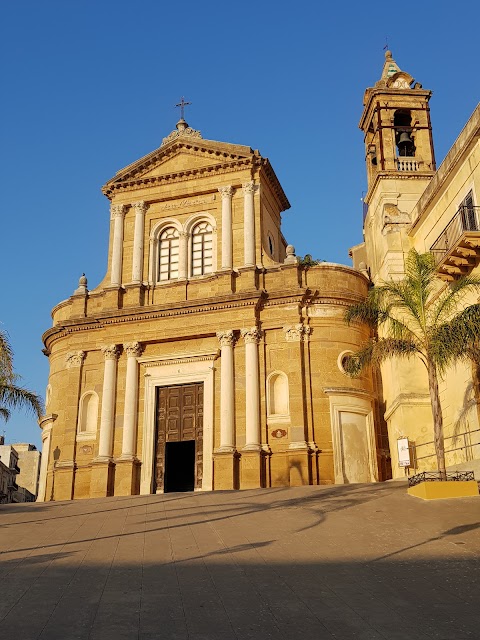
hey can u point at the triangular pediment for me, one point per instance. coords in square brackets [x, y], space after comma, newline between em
[180, 156]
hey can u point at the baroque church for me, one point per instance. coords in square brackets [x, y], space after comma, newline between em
[210, 357]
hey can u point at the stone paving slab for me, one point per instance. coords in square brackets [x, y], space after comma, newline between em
[361, 562]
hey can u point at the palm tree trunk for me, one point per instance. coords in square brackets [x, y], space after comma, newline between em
[437, 418]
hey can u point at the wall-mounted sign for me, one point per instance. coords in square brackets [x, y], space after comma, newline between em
[403, 452]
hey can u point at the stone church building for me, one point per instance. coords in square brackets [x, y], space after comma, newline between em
[210, 357]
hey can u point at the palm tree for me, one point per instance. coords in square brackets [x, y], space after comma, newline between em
[11, 394]
[419, 316]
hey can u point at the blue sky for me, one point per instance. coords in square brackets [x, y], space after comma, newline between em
[89, 87]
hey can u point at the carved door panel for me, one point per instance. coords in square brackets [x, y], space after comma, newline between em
[179, 418]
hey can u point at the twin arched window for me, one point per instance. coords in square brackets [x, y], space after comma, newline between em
[200, 252]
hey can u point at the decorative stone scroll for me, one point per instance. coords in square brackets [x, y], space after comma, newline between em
[188, 132]
[117, 211]
[133, 349]
[251, 335]
[297, 332]
[110, 351]
[75, 359]
[226, 338]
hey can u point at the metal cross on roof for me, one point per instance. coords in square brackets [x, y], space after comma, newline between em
[182, 104]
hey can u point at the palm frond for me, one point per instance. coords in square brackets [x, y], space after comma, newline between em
[452, 296]
[13, 396]
[6, 355]
[374, 352]
[4, 413]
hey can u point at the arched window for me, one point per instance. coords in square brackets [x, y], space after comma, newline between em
[202, 249]
[278, 395]
[168, 254]
[88, 415]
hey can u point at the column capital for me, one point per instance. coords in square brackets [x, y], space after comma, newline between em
[75, 359]
[226, 338]
[140, 206]
[110, 351]
[297, 332]
[132, 349]
[226, 192]
[248, 187]
[185, 234]
[254, 334]
[117, 211]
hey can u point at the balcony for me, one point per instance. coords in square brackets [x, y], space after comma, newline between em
[406, 163]
[457, 249]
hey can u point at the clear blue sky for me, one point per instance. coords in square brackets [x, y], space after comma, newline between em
[89, 87]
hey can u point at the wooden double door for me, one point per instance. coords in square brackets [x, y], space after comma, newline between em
[179, 438]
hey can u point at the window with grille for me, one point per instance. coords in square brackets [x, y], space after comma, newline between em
[168, 254]
[202, 249]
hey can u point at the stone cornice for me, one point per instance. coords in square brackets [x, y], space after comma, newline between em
[347, 391]
[155, 361]
[397, 175]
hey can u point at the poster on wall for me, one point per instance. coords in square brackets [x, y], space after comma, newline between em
[403, 452]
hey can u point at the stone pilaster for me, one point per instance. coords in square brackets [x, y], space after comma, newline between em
[249, 223]
[46, 425]
[138, 240]
[117, 213]
[227, 227]
[64, 462]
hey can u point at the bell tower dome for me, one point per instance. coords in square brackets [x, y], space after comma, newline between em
[400, 161]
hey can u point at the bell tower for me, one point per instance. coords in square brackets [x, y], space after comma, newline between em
[400, 162]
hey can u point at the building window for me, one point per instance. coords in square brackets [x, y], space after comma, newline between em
[168, 254]
[469, 216]
[271, 245]
[202, 249]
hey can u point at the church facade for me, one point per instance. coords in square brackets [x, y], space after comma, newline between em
[208, 358]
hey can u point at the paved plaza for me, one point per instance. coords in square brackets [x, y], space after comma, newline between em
[312, 563]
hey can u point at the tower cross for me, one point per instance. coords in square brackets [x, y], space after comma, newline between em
[182, 104]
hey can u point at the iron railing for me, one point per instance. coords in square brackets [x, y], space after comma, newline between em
[465, 219]
[467, 445]
[435, 476]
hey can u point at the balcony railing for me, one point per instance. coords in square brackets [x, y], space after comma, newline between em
[408, 164]
[456, 250]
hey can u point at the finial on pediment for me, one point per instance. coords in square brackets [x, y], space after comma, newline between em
[82, 286]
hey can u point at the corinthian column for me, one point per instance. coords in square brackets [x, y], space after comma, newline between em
[105, 446]
[137, 262]
[249, 223]
[252, 388]
[133, 350]
[227, 230]
[227, 391]
[117, 211]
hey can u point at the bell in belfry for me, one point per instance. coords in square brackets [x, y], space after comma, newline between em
[405, 144]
